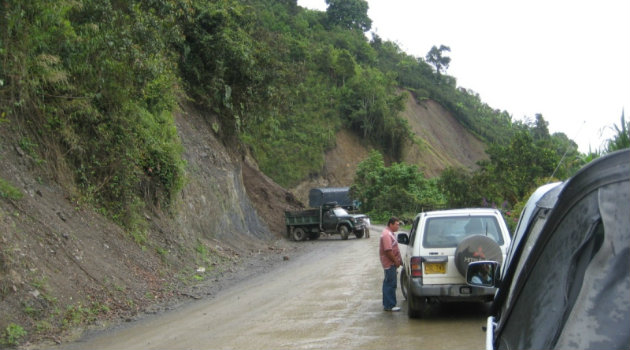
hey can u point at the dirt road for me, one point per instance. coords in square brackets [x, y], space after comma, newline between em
[326, 298]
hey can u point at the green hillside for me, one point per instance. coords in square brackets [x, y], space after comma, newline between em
[132, 132]
[93, 85]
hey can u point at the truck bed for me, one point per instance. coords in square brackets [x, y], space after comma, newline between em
[303, 217]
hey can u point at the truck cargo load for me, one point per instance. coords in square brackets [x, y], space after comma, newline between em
[322, 195]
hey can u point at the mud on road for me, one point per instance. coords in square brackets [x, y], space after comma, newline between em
[328, 297]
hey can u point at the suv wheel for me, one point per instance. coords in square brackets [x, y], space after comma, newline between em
[403, 283]
[415, 306]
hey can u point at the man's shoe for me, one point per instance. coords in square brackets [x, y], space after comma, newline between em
[394, 309]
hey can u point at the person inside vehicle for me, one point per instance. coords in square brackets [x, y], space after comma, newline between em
[474, 226]
[483, 276]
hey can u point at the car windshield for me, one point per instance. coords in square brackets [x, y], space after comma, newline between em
[447, 232]
[340, 212]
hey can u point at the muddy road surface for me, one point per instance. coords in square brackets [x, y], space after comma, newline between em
[328, 297]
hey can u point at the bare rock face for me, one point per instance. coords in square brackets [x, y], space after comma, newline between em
[214, 203]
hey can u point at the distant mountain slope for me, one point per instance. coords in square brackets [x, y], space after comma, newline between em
[445, 142]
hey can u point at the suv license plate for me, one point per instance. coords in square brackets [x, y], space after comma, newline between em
[434, 268]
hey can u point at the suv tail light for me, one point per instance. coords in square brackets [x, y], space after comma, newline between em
[416, 266]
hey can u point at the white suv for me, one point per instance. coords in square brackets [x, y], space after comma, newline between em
[439, 248]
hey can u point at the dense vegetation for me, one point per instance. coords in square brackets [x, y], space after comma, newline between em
[398, 190]
[99, 82]
[93, 86]
[531, 158]
[91, 89]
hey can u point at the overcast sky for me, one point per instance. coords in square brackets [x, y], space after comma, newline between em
[567, 60]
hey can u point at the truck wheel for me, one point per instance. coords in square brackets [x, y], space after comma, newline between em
[359, 234]
[299, 234]
[343, 230]
[314, 235]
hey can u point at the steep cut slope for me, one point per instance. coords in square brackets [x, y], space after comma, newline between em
[443, 142]
[340, 165]
[62, 263]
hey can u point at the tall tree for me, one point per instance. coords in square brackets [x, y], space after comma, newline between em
[437, 59]
[350, 14]
[540, 129]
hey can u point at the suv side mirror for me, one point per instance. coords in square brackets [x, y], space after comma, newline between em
[403, 238]
[483, 274]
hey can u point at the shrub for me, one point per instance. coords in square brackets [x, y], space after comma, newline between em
[12, 334]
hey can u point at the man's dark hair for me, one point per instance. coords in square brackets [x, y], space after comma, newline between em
[392, 220]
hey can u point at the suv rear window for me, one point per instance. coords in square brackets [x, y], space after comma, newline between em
[447, 232]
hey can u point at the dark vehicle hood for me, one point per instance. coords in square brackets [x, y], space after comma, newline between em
[574, 288]
[600, 313]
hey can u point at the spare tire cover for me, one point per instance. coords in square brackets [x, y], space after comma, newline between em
[476, 248]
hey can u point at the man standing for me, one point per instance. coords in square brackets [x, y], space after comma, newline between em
[390, 259]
